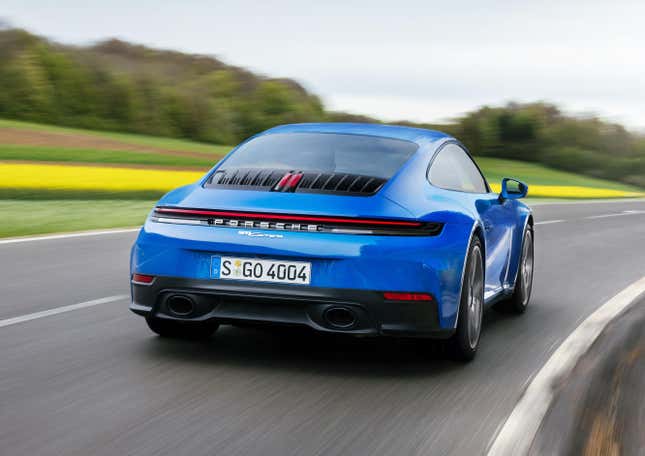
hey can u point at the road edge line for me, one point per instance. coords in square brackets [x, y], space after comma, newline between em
[585, 201]
[59, 310]
[47, 237]
[518, 432]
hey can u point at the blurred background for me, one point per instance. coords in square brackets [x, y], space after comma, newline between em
[106, 106]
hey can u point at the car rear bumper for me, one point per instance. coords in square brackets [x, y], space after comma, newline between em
[354, 265]
[231, 302]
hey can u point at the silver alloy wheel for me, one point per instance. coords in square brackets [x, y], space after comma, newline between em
[526, 267]
[475, 297]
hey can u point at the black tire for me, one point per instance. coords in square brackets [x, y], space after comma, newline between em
[521, 296]
[464, 343]
[182, 329]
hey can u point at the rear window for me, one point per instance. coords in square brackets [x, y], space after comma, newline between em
[324, 153]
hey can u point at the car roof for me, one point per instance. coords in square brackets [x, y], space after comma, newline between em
[417, 135]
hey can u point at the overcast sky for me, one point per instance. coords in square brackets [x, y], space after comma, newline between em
[418, 60]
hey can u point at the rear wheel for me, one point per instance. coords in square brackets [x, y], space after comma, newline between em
[518, 301]
[463, 344]
[182, 329]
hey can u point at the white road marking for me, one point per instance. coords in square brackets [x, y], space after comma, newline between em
[58, 310]
[519, 430]
[616, 214]
[579, 202]
[68, 235]
[602, 216]
[548, 222]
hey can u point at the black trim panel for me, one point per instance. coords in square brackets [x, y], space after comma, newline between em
[231, 302]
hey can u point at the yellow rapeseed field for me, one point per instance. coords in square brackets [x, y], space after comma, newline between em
[92, 178]
[67, 177]
[572, 191]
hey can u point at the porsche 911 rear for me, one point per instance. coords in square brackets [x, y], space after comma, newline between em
[297, 228]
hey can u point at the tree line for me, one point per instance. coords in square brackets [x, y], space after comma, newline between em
[541, 133]
[123, 87]
[120, 86]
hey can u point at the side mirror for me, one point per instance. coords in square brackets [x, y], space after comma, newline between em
[513, 189]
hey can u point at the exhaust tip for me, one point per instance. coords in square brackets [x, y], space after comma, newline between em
[340, 317]
[180, 305]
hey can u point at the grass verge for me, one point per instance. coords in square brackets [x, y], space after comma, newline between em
[21, 218]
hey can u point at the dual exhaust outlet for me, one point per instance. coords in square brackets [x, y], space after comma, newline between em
[335, 317]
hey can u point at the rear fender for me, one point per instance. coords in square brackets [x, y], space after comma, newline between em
[517, 245]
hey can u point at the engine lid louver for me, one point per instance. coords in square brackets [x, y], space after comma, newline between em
[280, 180]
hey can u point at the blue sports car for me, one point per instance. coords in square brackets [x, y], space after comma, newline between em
[349, 228]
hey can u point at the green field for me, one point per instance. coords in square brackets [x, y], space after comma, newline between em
[493, 168]
[112, 157]
[143, 140]
[45, 210]
[535, 174]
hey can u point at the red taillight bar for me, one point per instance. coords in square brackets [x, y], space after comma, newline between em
[294, 218]
[397, 296]
[142, 278]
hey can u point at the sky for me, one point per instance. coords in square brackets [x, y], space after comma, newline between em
[427, 61]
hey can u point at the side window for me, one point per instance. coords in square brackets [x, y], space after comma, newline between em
[453, 169]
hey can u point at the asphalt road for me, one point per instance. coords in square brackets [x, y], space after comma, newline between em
[96, 381]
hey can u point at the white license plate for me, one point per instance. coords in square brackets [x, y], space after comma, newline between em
[277, 271]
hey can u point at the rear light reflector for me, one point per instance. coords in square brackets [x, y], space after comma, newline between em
[397, 296]
[142, 278]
